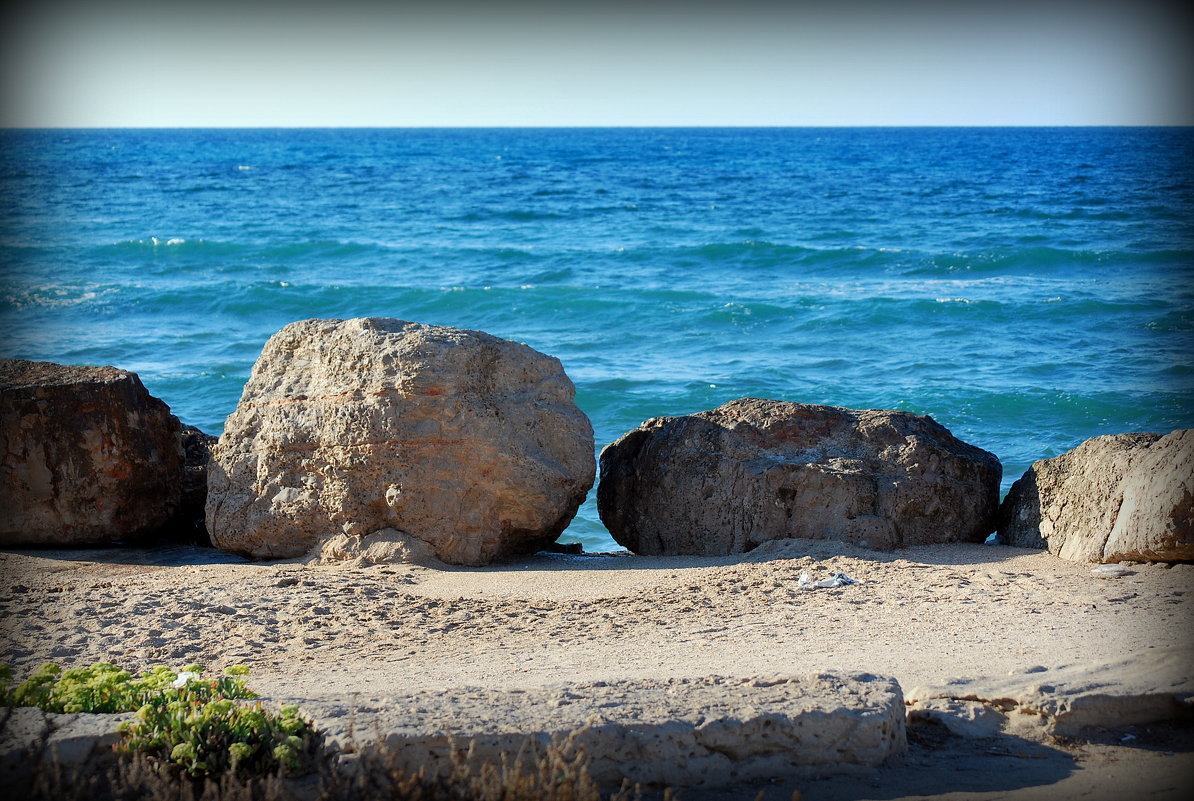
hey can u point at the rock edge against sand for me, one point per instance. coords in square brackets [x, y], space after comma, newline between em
[1123, 497]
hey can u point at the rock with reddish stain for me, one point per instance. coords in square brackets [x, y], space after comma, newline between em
[87, 456]
[727, 480]
[1120, 497]
[349, 429]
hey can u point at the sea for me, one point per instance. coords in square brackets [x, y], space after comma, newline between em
[1028, 288]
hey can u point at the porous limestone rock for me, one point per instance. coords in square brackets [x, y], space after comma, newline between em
[470, 443]
[380, 547]
[87, 456]
[1124, 497]
[1154, 686]
[724, 481]
[681, 732]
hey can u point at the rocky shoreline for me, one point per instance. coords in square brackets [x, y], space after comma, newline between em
[407, 441]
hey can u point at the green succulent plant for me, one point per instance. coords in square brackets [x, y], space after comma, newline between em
[181, 718]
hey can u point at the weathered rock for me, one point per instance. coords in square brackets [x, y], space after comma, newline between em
[727, 480]
[467, 442]
[39, 747]
[1070, 700]
[1111, 499]
[385, 546]
[700, 732]
[87, 456]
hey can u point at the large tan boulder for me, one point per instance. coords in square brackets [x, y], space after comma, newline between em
[1124, 497]
[350, 428]
[727, 480]
[87, 456]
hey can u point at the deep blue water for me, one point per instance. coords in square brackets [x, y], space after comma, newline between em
[1028, 288]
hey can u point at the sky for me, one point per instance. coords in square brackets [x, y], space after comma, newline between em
[132, 63]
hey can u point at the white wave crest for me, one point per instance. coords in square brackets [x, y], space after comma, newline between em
[55, 296]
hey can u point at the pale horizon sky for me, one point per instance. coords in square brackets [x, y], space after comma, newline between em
[131, 63]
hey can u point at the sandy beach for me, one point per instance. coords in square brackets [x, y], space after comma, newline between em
[924, 616]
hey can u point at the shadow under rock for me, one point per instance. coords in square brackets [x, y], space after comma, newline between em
[944, 554]
[937, 763]
[183, 550]
[163, 554]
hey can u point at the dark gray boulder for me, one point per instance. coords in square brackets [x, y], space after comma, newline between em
[726, 480]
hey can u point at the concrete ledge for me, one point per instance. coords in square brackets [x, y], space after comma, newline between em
[704, 732]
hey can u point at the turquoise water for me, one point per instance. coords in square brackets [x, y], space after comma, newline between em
[1028, 288]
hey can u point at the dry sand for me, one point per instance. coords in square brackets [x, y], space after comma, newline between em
[923, 615]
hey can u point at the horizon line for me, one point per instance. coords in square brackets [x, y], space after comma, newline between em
[572, 127]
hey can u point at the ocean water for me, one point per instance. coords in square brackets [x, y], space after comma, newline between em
[1028, 288]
